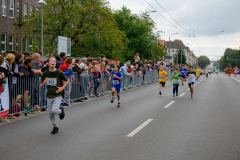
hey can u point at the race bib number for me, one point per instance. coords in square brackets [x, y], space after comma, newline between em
[161, 77]
[52, 81]
[176, 81]
[191, 76]
[116, 82]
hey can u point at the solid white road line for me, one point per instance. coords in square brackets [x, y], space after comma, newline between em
[181, 94]
[139, 128]
[169, 104]
[188, 89]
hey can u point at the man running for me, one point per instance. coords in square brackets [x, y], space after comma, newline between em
[116, 83]
[191, 79]
[162, 79]
[53, 79]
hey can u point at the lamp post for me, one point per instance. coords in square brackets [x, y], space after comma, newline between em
[151, 11]
[43, 3]
[169, 46]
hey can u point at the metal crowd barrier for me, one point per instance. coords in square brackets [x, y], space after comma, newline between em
[25, 91]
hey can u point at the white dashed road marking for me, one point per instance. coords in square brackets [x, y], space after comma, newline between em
[169, 104]
[139, 128]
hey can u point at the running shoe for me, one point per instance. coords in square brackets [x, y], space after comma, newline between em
[191, 95]
[118, 104]
[130, 86]
[55, 130]
[160, 93]
[182, 84]
[173, 95]
[112, 100]
[176, 94]
[62, 115]
[27, 109]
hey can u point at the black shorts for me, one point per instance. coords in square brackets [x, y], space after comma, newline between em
[189, 84]
[182, 76]
[163, 83]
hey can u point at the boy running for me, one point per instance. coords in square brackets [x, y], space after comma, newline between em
[53, 79]
[162, 79]
[175, 78]
[116, 83]
[191, 79]
[183, 72]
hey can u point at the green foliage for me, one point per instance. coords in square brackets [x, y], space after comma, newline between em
[229, 54]
[139, 30]
[203, 61]
[178, 55]
[89, 24]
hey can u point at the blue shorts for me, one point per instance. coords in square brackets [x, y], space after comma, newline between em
[117, 87]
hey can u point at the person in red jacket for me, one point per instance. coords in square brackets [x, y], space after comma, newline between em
[63, 66]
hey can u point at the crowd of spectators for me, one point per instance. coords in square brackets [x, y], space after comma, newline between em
[28, 68]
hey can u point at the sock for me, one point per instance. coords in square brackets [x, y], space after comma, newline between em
[113, 97]
[118, 101]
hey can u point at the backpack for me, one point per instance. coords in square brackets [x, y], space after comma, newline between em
[16, 110]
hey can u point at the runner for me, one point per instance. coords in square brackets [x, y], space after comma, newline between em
[162, 79]
[183, 72]
[198, 72]
[191, 79]
[175, 78]
[53, 79]
[235, 71]
[116, 84]
[206, 72]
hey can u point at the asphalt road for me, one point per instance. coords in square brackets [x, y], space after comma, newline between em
[146, 127]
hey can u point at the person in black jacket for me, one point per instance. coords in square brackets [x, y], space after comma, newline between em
[15, 88]
[25, 68]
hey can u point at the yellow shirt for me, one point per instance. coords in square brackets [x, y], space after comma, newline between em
[162, 79]
[198, 71]
[205, 70]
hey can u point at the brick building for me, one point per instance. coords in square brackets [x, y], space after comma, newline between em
[10, 13]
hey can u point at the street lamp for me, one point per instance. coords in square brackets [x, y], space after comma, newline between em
[151, 11]
[169, 46]
[43, 3]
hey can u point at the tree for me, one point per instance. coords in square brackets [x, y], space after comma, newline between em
[203, 61]
[230, 59]
[180, 52]
[89, 24]
[139, 30]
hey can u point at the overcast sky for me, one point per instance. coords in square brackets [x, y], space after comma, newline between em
[215, 24]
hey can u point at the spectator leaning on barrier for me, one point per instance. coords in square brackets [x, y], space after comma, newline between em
[26, 69]
[137, 58]
[36, 68]
[124, 69]
[40, 59]
[7, 64]
[15, 85]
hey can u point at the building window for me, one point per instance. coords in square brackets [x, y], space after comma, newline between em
[16, 43]
[30, 45]
[172, 50]
[31, 9]
[25, 10]
[10, 42]
[17, 9]
[24, 44]
[11, 8]
[3, 42]
[4, 7]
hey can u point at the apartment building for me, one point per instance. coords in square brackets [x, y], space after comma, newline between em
[10, 13]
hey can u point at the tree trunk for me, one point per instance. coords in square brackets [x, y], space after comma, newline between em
[20, 26]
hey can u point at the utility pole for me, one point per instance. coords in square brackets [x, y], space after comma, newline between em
[20, 25]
